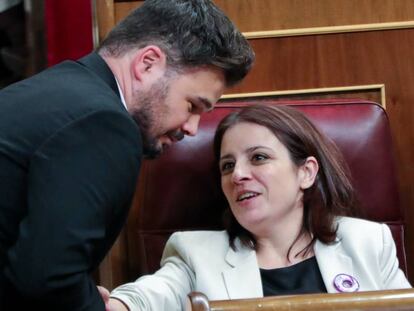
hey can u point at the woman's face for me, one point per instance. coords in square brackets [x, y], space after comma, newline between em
[261, 183]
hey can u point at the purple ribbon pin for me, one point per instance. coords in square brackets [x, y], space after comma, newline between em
[345, 283]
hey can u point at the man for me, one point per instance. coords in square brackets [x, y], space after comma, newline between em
[72, 138]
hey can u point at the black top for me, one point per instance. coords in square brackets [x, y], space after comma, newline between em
[301, 278]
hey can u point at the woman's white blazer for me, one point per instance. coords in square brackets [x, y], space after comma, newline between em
[203, 261]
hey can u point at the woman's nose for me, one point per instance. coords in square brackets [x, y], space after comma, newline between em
[240, 173]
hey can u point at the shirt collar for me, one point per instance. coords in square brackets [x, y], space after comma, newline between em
[122, 95]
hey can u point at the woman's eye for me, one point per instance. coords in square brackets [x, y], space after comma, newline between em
[259, 157]
[226, 167]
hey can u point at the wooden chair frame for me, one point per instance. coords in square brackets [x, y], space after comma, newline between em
[390, 300]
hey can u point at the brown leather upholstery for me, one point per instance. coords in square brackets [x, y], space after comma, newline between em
[180, 191]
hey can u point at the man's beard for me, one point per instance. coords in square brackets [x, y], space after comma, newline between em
[151, 108]
[144, 118]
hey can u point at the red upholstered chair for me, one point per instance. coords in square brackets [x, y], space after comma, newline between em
[180, 191]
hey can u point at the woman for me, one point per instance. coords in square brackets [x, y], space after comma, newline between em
[287, 227]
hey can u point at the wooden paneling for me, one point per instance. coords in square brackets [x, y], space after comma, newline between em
[268, 15]
[375, 93]
[264, 15]
[104, 17]
[123, 8]
[114, 269]
[35, 39]
[332, 60]
[108, 13]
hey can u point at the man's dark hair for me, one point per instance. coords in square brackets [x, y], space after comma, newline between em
[191, 33]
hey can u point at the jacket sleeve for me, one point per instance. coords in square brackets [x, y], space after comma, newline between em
[167, 288]
[392, 275]
[80, 184]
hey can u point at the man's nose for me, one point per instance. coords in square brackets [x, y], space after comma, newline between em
[191, 126]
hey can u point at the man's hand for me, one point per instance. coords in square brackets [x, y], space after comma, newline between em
[111, 304]
[105, 296]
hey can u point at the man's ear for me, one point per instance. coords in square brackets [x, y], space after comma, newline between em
[148, 63]
[308, 172]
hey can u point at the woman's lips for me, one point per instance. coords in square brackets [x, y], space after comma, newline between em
[246, 195]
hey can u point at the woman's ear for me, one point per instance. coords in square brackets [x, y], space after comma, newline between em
[308, 173]
[148, 63]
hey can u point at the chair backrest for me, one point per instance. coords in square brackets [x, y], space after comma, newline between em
[181, 191]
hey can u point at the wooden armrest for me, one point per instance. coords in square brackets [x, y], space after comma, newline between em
[199, 301]
[390, 300]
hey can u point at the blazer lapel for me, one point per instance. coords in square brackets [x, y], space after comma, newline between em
[332, 261]
[243, 279]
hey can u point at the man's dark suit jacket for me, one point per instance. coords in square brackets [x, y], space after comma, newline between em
[69, 158]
